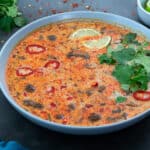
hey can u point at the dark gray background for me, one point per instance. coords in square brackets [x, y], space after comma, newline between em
[14, 127]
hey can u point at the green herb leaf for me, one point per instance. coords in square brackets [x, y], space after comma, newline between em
[131, 78]
[6, 23]
[9, 15]
[20, 21]
[143, 60]
[120, 99]
[132, 63]
[124, 55]
[6, 2]
[129, 38]
[139, 79]
[3, 11]
[12, 11]
[110, 49]
[105, 59]
[123, 74]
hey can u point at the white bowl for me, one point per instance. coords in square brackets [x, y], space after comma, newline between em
[20, 34]
[142, 13]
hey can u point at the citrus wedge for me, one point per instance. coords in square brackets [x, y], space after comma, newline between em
[84, 32]
[98, 44]
[147, 6]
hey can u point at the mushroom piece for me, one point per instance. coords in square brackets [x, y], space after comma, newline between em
[29, 102]
[80, 54]
[29, 88]
[93, 117]
[52, 37]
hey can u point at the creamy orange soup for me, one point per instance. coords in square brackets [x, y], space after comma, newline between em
[61, 80]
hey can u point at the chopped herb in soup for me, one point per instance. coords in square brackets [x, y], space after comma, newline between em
[81, 72]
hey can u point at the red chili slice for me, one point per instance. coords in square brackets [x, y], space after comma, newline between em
[53, 105]
[69, 98]
[24, 71]
[35, 49]
[63, 87]
[88, 105]
[53, 63]
[39, 71]
[142, 95]
[95, 84]
[51, 90]
[65, 120]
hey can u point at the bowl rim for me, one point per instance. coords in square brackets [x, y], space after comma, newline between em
[43, 122]
[139, 4]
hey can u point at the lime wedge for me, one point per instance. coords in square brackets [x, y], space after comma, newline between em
[98, 44]
[85, 32]
[147, 6]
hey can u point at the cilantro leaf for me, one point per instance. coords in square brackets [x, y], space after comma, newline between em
[143, 60]
[132, 63]
[6, 23]
[147, 53]
[118, 48]
[6, 2]
[3, 11]
[9, 15]
[123, 74]
[12, 11]
[129, 38]
[20, 21]
[106, 59]
[120, 99]
[131, 78]
[139, 79]
[124, 55]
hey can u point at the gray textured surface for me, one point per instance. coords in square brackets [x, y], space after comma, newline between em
[14, 127]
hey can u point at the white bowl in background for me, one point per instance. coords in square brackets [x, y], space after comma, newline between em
[142, 13]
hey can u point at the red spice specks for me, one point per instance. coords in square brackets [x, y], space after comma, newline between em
[25, 94]
[104, 10]
[88, 105]
[44, 114]
[95, 84]
[63, 87]
[133, 13]
[53, 11]
[51, 90]
[53, 105]
[83, 78]
[40, 12]
[60, 11]
[65, 1]
[75, 5]
[107, 109]
[69, 98]
[64, 121]
[59, 81]
[48, 4]
[30, 15]
[101, 110]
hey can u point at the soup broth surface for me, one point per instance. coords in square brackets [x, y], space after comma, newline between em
[59, 79]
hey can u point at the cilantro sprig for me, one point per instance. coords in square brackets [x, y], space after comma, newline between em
[120, 99]
[131, 63]
[10, 16]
